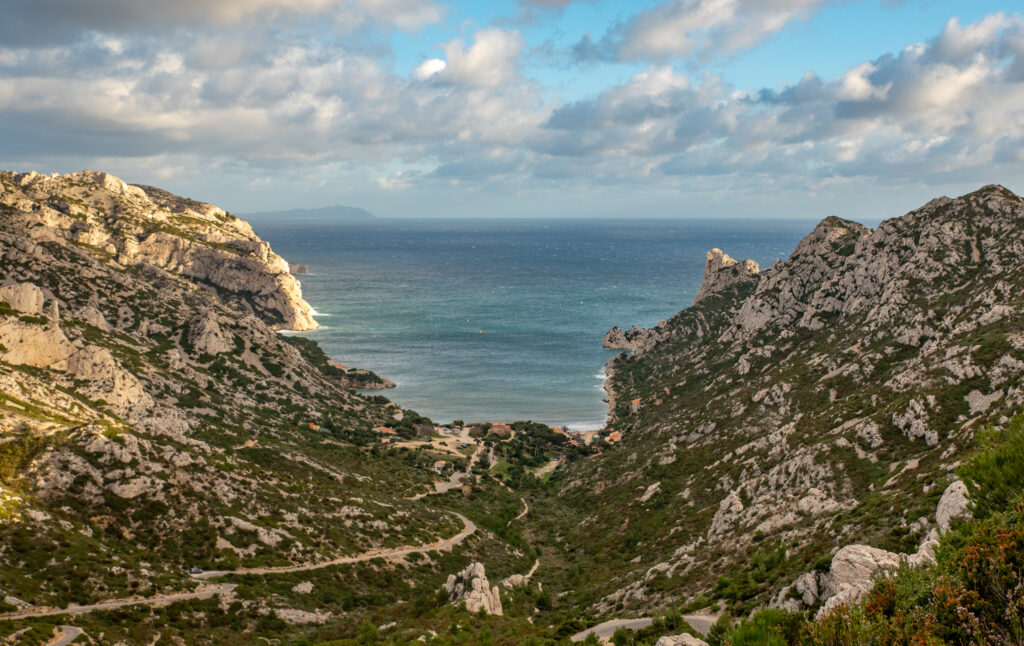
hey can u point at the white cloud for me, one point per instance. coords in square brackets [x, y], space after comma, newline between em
[952, 106]
[491, 60]
[428, 68]
[697, 29]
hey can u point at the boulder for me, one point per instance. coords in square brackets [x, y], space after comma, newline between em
[24, 297]
[206, 336]
[471, 586]
[850, 575]
[954, 504]
[33, 344]
[92, 316]
[296, 269]
[680, 640]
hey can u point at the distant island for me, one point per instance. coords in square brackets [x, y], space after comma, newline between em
[347, 213]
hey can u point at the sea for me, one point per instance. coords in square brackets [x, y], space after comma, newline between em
[502, 320]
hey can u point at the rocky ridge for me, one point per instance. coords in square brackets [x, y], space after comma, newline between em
[143, 225]
[813, 404]
[152, 418]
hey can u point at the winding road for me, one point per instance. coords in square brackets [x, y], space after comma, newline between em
[159, 600]
[468, 528]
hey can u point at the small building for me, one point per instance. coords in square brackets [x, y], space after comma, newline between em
[423, 430]
[340, 366]
[501, 429]
[384, 430]
[440, 465]
[313, 427]
[634, 406]
[614, 437]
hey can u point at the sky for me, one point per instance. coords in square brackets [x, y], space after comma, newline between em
[523, 108]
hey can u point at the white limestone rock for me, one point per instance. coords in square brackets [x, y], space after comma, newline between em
[471, 586]
[93, 317]
[24, 297]
[721, 272]
[206, 335]
[302, 588]
[953, 505]
[33, 344]
[684, 639]
[914, 423]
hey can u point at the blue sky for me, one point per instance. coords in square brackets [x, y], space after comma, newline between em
[418, 108]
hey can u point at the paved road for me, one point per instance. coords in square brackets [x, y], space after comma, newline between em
[468, 527]
[205, 593]
[604, 631]
[67, 635]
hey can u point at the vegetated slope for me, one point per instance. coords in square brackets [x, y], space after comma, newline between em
[151, 418]
[821, 402]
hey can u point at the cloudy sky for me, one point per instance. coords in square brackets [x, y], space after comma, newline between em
[423, 108]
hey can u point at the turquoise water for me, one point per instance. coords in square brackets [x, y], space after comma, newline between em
[502, 320]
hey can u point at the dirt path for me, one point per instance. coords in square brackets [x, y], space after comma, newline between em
[468, 528]
[548, 468]
[206, 593]
[526, 510]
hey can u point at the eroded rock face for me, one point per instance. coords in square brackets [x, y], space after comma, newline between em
[471, 586]
[721, 272]
[153, 227]
[33, 344]
[24, 297]
[207, 336]
[954, 504]
[680, 640]
[109, 380]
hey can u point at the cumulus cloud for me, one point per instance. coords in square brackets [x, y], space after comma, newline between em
[933, 109]
[953, 106]
[698, 29]
[34, 22]
[492, 59]
[428, 68]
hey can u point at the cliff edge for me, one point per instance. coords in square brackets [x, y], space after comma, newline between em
[143, 225]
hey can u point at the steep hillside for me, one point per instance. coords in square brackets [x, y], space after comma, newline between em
[820, 402]
[154, 421]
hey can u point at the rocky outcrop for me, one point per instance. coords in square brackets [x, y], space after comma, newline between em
[30, 343]
[108, 380]
[721, 272]
[684, 639]
[297, 269]
[778, 402]
[636, 339]
[24, 297]
[854, 566]
[850, 575]
[954, 504]
[207, 337]
[153, 227]
[471, 586]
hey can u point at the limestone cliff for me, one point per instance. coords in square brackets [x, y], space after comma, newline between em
[814, 404]
[142, 225]
[721, 272]
[152, 418]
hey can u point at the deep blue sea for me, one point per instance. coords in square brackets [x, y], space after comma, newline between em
[487, 320]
